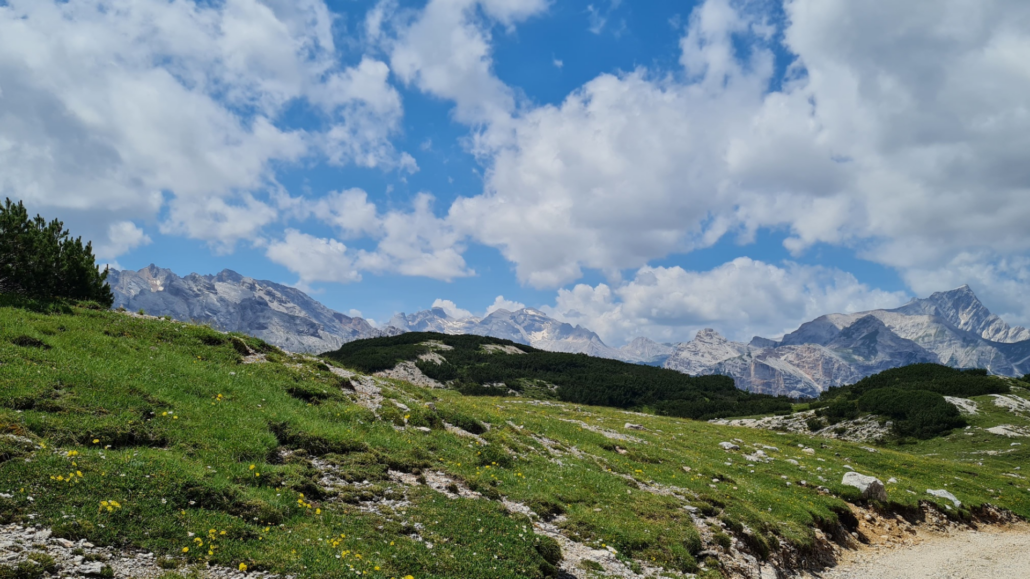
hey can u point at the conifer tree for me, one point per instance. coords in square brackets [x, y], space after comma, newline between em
[40, 259]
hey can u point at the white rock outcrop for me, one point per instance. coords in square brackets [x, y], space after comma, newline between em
[943, 494]
[872, 488]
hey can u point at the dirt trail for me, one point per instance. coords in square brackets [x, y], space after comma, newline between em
[1001, 552]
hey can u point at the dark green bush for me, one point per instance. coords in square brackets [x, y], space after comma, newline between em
[839, 410]
[928, 377]
[916, 413]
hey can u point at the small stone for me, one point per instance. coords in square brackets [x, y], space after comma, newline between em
[631, 426]
[729, 446]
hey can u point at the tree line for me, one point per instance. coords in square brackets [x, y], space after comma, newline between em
[40, 260]
[577, 378]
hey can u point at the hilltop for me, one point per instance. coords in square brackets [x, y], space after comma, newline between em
[158, 437]
[490, 366]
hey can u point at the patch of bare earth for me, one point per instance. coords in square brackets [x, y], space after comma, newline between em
[987, 552]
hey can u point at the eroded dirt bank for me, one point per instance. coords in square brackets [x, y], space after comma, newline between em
[991, 551]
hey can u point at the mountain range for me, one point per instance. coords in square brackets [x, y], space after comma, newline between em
[278, 314]
[952, 328]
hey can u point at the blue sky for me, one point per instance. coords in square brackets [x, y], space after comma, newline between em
[640, 168]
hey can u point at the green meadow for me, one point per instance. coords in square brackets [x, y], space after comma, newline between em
[155, 434]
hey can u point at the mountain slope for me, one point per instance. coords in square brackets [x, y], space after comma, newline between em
[952, 328]
[526, 326]
[211, 451]
[278, 314]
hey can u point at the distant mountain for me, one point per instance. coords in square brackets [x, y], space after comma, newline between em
[526, 326]
[952, 328]
[280, 315]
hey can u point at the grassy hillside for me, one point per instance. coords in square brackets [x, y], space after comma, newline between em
[476, 365]
[157, 434]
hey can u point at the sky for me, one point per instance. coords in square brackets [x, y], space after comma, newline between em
[639, 168]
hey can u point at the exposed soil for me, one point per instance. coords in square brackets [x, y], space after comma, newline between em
[994, 551]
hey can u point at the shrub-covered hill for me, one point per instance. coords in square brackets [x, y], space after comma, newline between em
[912, 397]
[204, 448]
[491, 366]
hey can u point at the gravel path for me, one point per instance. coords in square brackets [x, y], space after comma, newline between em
[1002, 553]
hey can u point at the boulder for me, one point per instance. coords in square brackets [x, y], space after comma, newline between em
[943, 494]
[729, 446]
[871, 487]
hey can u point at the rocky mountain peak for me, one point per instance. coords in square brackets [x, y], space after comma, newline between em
[229, 276]
[962, 309]
[278, 314]
[708, 335]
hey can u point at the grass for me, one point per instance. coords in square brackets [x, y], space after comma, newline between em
[137, 432]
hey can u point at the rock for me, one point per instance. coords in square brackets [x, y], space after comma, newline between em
[943, 494]
[631, 426]
[892, 480]
[871, 487]
[686, 469]
[809, 451]
[729, 446]
[92, 569]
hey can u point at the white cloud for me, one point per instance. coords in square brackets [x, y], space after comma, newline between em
[445, 51]
[741, 299]
[413, 243]
[121, 237]
[115, 109]
[502, 304]
[899, 131]
[451, 309]
[314, 259]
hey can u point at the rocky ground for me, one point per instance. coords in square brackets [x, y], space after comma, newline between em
[33, 552]
[864, 429]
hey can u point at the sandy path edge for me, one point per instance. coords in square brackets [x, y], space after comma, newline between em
[992, 551]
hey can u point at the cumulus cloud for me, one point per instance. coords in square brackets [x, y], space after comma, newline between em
[451, 309]
[502, 304]
[121, 237]
[413, 243]
[897, 131]
[627, 169]
[445, 51]
[314, 259]
[115, 110]
[742, 298]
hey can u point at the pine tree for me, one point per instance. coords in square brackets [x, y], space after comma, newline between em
[39, 259]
